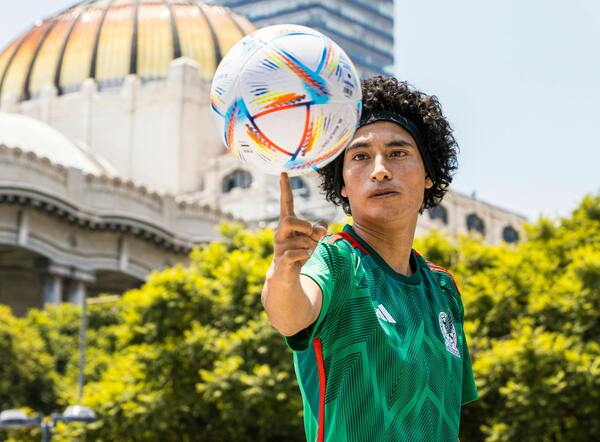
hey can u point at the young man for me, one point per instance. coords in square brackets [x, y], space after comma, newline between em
[377, 331]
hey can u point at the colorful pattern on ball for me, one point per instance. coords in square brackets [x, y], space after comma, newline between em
[286, 98]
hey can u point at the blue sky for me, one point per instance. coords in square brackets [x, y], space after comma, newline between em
[519, 81]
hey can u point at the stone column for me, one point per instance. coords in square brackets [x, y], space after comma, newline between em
[77, 288]
[77, 293]
[52, 276]
[52, 289]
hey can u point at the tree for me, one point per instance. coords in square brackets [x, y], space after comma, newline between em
[191, 355]
[195, 357]
[533, 318]
[25, 368]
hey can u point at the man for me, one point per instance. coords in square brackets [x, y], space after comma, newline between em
[377, 331]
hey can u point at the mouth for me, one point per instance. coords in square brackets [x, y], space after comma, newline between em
[384, 193]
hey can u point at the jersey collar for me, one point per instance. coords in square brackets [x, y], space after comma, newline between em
[413, 279]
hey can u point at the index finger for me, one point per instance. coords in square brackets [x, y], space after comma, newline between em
[286, 207]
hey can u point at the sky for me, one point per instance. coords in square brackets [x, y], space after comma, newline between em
[520, 83]
[518, 80]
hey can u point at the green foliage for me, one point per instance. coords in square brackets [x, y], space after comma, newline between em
[25, 368]
[195, 357]
[539, 386]
[191, 355]
[533, 322]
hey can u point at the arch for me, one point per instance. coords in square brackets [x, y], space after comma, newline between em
[112, 281]
[299, 187]
[238, 178]
[510, 234]
[439, 212]
[474, 222]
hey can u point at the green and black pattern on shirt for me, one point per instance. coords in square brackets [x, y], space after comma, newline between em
[394, 356]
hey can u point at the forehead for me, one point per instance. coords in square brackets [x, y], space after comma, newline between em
[381, 131]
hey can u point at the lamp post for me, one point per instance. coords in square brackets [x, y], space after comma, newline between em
[13, 419]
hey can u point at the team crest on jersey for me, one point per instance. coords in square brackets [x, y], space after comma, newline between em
[449, 334]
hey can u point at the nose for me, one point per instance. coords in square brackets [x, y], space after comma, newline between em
[380, 172]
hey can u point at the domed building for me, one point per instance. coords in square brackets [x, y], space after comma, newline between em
[110, 166]
[106, 72]
[105, 126]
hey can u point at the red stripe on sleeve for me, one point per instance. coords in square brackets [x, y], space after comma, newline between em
[433, 266]
[321, 368]
[353, 241]
[334, 238]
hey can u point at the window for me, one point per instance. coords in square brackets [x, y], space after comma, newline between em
[509, 234]
[299, 187]
[475, 223]
[238, 178]
[439, 212]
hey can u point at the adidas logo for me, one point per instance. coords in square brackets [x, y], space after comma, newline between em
[384, 315]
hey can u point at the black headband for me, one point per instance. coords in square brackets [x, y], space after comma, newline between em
[384, 115]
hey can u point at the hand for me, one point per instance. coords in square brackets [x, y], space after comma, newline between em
[295, 239]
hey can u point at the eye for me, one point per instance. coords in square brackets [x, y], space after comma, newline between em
[356, 156]
[399, 153]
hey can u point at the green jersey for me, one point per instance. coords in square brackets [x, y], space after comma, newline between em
[387, 358]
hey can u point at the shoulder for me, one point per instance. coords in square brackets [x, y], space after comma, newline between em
[341, 249]
[334, 253]
[343, 243]
[442, 275]
[343, 239]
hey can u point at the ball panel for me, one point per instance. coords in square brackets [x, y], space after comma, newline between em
[305, 47]
[223, 84]
[273, 78]
[284, 128]
[274, 32]
[340, 73]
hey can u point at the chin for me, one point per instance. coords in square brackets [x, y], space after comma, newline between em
[387, 215]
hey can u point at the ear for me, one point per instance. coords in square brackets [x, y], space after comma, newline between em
[343, 192]
[428, 183]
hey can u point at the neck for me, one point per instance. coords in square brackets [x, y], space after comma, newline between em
[392, 242]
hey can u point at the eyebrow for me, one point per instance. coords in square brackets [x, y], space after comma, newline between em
[393, 143]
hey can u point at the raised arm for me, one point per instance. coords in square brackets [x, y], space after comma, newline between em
[292, 301]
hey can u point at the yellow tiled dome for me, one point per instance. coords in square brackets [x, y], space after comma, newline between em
[110, 39]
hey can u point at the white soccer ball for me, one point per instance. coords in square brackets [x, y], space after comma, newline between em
[286, 98]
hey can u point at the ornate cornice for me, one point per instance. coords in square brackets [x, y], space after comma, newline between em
[69, 198]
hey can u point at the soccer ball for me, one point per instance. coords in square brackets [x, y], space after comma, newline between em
[286, 98]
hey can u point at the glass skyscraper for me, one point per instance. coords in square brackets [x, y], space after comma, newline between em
[363, 28]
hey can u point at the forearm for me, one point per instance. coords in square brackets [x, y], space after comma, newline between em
[286, 303]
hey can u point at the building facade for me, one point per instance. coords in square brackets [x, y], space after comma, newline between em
[363, 28]
[110, 165]
[253, 196]
[104, 127]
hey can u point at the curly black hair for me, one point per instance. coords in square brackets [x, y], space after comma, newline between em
[388, 94]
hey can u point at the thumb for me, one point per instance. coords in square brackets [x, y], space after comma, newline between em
[322, 223]
[320, 229]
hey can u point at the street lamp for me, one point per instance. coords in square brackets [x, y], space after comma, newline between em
[13, 419]
[16, 419]
[78, 413]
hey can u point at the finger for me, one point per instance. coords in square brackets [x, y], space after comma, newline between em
[286, 207]
[319, 230]
[290, 226]
[292, 256]
[296, 242]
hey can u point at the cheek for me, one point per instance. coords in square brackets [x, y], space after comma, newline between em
[413, 171]
[351, 180]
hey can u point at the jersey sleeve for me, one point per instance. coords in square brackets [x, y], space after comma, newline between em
[329, 268]
[469, 390]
